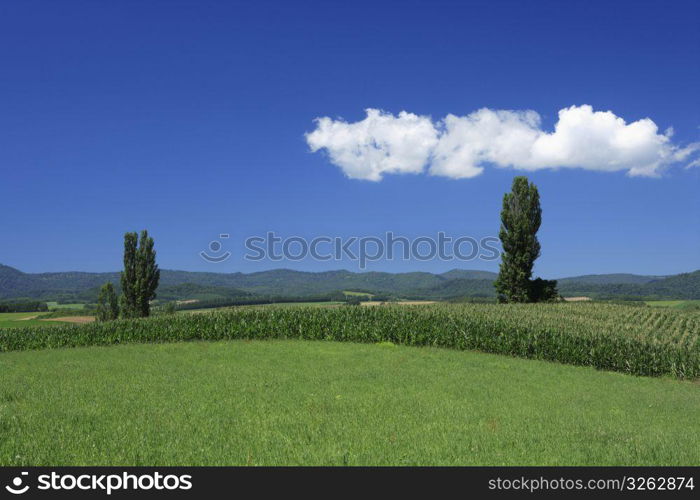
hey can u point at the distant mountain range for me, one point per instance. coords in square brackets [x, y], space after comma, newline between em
[15, 284]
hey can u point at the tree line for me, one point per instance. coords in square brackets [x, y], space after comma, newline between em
[23, 306]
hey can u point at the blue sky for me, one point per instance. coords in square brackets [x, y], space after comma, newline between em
[189, 119]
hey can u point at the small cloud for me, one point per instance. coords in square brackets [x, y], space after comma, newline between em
[462, 146]
[694, 163]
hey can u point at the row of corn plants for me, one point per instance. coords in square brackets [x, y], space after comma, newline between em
[638, 341]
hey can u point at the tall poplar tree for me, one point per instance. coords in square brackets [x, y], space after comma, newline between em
[140, 276]
[147, 274]
[128, 277]
[521, 217]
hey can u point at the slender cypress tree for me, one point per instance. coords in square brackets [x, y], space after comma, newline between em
[147, 273]
[521, 217]
[107, 305]
[129, 277]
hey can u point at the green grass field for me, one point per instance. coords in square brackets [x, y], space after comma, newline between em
[328, 403]
[276, 304]
[358, 294]
[298, 304]
[55, 305]
[675, 304]
[19, 320]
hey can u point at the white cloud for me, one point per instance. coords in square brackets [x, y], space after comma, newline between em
[467, 143]
[462, 146]
[381, 143]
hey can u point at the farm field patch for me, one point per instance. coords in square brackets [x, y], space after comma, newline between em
[55, 305]
[635, 340]
[675, 304]
[23, 320]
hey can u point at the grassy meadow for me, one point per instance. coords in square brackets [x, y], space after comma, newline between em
[25, 320]
[329, 403]
[56, 306]
[344, 385]
[350, 293]
[276, 304]
[675, 304]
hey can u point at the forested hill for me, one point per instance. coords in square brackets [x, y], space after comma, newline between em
[285, 282]
[680, 286]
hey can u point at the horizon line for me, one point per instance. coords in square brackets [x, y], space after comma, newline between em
[652, 275]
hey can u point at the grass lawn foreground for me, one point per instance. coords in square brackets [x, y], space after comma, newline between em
[327, 403]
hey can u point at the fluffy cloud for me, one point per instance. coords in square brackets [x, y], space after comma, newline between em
[467, 143]
[462, 146]
[380, 144]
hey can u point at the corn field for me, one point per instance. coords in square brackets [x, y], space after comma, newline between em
[635, 340]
